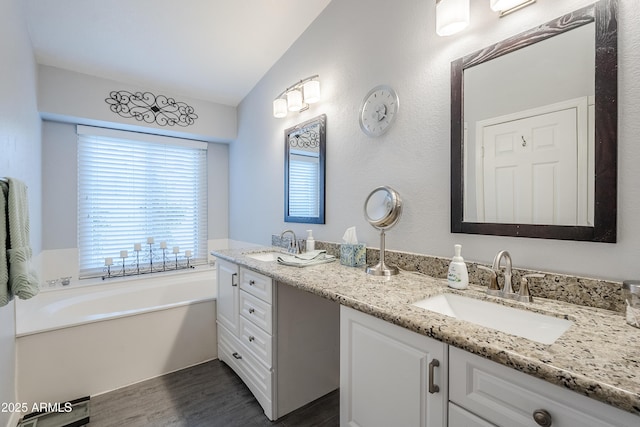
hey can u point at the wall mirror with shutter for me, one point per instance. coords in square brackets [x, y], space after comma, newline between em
[304, 171]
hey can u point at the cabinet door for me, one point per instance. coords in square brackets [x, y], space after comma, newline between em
[384, 374]
[228, 296]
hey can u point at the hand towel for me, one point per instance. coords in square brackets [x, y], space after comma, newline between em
[306, 259]
[5, 294]
[22, 280]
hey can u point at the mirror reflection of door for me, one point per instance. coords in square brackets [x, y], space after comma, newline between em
[537, 81]
[533, 167]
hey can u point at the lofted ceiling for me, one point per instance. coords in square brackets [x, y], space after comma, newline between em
[215, 50]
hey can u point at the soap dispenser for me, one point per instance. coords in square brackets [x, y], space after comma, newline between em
[458, 276]
[311, 242]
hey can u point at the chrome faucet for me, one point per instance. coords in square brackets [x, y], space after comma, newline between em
[494, 289]
[294, 248]
[507, 288]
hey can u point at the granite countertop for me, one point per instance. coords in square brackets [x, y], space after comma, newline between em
[598, 356]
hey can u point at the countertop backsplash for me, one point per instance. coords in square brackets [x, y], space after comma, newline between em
[561, 287]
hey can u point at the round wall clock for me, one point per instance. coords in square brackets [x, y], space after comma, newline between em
[378, 110]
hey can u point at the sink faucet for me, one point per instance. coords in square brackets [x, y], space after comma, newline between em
[507, 288]
[523, 294]
[293, 246]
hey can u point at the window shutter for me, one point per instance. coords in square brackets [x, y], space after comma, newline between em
[129, 190]
[304, 184]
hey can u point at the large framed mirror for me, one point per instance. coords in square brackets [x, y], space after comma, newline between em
[304, 171]
[534, 132]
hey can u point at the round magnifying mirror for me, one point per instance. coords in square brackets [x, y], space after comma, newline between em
[382, 209]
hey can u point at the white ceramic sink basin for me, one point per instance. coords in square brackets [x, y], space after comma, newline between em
[526, 324]
[265, 256]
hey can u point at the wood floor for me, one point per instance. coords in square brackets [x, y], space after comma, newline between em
[210, 395]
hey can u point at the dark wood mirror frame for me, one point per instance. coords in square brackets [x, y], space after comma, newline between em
[604, 14]
[322, 122]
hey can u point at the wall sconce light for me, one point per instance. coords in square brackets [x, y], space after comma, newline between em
[452, 16]
[297, 97]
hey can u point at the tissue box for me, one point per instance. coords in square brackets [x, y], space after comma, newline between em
[353, 255]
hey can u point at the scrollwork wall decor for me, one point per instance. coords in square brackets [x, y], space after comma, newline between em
[306, 137]
[149, 108]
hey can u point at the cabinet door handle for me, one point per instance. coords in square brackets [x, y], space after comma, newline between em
[542, 418]
[237, 356]
[433, 388]
[251, 338]
[252, 282]
[234, 276]
[252, 310]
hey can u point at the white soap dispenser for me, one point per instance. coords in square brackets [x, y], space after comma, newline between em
[311, 242]
[458, 276]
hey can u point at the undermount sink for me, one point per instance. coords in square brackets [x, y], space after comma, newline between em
[526, 324]
[265, 256]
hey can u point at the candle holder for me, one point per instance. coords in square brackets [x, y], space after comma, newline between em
[144, 261]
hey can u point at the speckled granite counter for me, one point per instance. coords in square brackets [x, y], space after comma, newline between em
[599, 356]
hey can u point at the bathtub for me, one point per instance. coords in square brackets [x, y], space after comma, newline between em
[92, 339]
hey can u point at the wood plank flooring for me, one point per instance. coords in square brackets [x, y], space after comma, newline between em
[208, 395]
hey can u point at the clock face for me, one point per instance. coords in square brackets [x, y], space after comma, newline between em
[378, 110]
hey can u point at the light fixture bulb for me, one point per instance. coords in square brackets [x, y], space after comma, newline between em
[279, 108]
[294, 100]
[501, 5]
[452, 16]
[311, 91]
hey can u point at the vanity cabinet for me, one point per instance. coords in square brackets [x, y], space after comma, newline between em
[390, 376]
[281, 341]
[484, 393]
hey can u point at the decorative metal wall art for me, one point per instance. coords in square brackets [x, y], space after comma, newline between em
[306, 136]
[149, 108]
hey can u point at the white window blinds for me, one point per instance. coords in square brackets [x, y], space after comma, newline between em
[129, 190]
[304, 184]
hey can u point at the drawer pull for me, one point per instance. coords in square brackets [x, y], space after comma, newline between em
[237, 356]
[252, 282]
[233, 281]
[542, 418]
[251, 338]
[433, 388]
[252, 310]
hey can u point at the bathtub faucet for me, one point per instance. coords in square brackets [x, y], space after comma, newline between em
[294, 248]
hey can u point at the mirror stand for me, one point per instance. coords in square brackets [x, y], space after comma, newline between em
[382, 209]
[382, 269]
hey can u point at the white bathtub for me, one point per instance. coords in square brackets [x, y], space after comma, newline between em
[88, 340]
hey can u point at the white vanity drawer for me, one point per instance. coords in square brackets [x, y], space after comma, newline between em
[459, 417]
[506, 397]
[256, 284]
[257, 311]
[257, 340]
[258, 378]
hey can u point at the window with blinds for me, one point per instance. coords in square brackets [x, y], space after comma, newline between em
[134, 186]
[304, 184]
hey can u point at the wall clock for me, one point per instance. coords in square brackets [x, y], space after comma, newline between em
[378, 110]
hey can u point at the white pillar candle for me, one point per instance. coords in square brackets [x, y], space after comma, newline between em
[124, 254]
[187, 254]
[150, 240]
[176, 249]
[137, 246]
[163, 245]
[108, 261]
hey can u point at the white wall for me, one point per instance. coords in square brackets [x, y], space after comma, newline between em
[357, 44]
[65, 95]
[20, 157]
